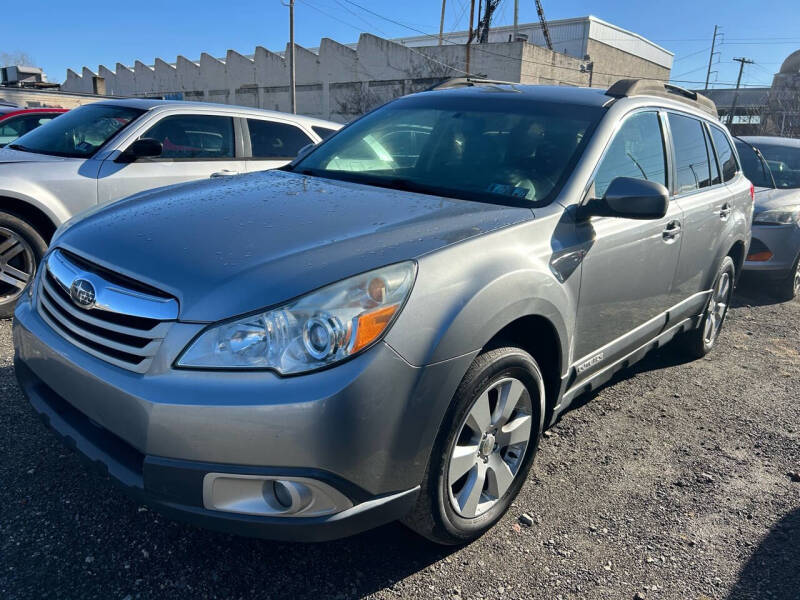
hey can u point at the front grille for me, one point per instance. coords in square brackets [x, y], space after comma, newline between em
[124, 326]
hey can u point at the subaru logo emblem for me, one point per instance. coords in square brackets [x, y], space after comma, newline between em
[82, 293]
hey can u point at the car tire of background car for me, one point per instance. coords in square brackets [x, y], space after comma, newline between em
[788, 288]
[700, 341]
[21, 249]
[494, 423]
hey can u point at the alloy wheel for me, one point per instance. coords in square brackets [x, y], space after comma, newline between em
[490, 447]
[796, 279]
[717, 308]
[17, 265]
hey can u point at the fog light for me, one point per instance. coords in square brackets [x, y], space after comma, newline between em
[271, 496]
[291, 496]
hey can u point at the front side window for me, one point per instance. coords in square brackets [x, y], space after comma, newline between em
[194, 136]
[11, 129]
[270, 139]
[637, 151]
[784, 162]
[78, 133]
[753, 166]
[495, 149]
[323, 132]
[692, 165]
[727, 158]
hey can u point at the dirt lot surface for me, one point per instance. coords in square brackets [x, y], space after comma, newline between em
[675, 481]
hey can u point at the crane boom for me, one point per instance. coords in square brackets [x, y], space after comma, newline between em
[543, 21]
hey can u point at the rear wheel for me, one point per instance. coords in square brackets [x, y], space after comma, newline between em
[484, 449]
[701, 341]
[21, 249]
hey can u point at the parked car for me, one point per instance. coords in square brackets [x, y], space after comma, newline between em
[773, 165]
[310, 352]
[15, 122]
[107, 150]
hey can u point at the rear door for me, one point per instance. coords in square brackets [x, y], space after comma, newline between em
[628, 270]
[273, 143]
[706, 205]
[195, 146]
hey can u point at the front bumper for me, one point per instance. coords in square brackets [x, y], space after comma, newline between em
[783, 241]
[364, 428]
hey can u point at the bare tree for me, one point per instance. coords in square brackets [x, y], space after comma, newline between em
[16, 58]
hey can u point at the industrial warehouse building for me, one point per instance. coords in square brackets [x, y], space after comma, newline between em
[340, 82]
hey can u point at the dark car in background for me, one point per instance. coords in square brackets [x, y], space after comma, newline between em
[16, 122]
[772, 164]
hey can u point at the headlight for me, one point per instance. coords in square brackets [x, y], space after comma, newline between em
[313, 331]
[778, 216]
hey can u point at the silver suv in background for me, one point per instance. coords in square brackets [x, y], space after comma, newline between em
[383, 329]
[108, 150]
[773, 165]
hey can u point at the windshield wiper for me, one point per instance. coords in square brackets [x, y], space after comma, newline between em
[20, 148]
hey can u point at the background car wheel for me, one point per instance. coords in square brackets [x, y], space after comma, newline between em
[21, 249]
[789, 287]
[484, 449]
[700, 341]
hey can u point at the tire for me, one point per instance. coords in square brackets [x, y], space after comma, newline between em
[444, 511]
[788, 288]
[21, 249]
[700, 341]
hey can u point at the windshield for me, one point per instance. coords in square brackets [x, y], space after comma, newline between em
[754, 168]
[78, 133]
[508, 148]
[784, 162]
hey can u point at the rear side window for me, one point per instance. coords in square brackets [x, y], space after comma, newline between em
[636, 151]
[323, 132]
[270, 139]
[692, 167]
[727, 158]
[194, 136]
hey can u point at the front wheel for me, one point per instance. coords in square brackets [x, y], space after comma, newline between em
[484, 449]
[21, 249]
[701, 341]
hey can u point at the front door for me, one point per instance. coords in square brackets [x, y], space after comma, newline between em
[629, 267]
[195, 146]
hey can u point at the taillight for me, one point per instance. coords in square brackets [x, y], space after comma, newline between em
[752, 193]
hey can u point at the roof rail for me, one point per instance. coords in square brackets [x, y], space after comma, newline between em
[455, 82]
[625, 88]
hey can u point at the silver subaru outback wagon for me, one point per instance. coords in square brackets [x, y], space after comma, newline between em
[383, 329]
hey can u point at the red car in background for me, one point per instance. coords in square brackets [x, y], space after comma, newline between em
[16, 121]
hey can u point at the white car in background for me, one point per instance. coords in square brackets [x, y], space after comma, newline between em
[109, 150]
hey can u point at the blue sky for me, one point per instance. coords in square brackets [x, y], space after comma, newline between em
[61, 35]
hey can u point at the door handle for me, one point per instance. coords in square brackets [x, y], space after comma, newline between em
[725, 211]
[671, 231]
[224, 173]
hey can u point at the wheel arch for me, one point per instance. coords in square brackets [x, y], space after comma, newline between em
[42, 222]
[538, 336]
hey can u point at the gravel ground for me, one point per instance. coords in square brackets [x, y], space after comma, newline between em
[674, 481]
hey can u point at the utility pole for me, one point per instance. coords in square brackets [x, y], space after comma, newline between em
[711, 56]
[742, 62]
[441, 24]
[292, 91]
[516, 19]
[469, 39]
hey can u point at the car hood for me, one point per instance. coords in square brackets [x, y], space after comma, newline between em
[770, 199]
[228, 246]
[9, 155]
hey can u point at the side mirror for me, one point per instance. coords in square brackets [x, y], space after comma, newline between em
[629, 198]
[142, 148]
